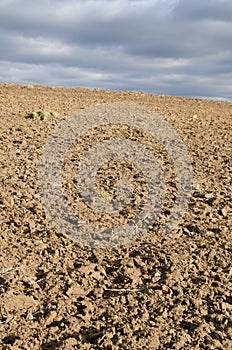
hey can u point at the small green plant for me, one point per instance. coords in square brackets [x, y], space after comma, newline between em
[39, 150]
[105, 197]
[43, 115]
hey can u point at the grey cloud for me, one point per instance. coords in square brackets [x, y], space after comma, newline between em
[201, 10]
[175, 47]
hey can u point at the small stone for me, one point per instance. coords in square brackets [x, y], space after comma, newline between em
[224, 211]
[209, 195]
[30, 316]
[157, 274]
[195, 186]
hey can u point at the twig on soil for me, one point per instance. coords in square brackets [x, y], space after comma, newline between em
[8, 270]
[101, 339]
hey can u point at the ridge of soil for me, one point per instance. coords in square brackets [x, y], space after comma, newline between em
[163, 291]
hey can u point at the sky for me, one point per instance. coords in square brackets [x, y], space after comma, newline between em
[174, 47]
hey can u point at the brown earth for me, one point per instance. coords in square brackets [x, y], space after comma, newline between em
[163, 291]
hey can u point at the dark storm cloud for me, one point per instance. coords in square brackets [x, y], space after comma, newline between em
[176, 47]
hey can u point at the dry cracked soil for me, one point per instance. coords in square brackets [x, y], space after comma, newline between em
[159, 291]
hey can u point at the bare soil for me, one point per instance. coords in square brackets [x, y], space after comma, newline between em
[162, 291]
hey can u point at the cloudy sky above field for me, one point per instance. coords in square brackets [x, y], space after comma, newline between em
[176, 47]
